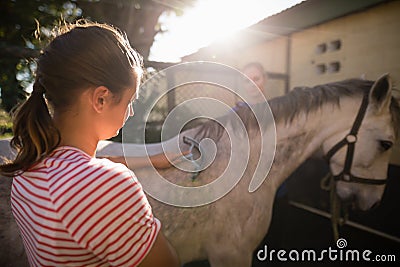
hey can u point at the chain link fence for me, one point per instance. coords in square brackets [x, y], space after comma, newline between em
[170, 88]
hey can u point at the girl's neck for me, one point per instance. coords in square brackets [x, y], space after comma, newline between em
[76, 133]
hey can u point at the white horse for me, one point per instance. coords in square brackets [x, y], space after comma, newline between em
[227, 231]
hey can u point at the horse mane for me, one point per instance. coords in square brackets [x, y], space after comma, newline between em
[214, 130]
[300, 100]
[308, 99]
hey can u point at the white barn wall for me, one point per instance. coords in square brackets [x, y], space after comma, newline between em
[370, 47]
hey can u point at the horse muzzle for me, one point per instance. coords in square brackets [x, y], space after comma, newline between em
[359, 197]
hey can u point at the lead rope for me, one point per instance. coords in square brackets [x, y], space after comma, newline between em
[329, 184]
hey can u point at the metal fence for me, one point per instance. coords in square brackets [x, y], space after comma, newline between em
[168, 86]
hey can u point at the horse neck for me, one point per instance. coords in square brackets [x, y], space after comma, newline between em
[304, 135]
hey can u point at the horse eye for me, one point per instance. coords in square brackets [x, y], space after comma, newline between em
[386, 145]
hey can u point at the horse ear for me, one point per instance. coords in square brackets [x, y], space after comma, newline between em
[381, 93]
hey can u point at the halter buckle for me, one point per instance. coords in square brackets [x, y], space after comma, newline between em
[351, 138]
[346, 177]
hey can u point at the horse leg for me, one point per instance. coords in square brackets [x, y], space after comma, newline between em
[232, 259]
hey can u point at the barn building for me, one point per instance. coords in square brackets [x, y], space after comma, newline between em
[311, 43]
[317, 42]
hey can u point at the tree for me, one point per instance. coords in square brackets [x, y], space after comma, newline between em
[18, 24]
[138, 18]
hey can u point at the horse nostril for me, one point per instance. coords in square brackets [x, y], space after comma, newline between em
[348, 199]
[375, 205]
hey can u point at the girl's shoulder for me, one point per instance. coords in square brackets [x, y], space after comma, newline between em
[73, 163]
[70, 170]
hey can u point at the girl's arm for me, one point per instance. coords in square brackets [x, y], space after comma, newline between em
[159, 161]
[161, 254]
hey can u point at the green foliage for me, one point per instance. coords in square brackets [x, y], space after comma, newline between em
[5, 124]
[19, 20]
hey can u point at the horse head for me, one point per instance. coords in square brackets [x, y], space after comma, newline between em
[359, 160]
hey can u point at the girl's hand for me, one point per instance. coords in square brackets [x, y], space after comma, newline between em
[159, 161]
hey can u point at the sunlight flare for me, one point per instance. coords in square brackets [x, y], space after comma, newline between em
[208, 21]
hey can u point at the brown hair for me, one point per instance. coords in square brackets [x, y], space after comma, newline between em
[80, 56]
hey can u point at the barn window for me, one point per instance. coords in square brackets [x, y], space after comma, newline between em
[334, 67]
[335, 45]
[321, 48]
[321, 68]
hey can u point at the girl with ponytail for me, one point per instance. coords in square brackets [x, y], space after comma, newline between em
[71, 208]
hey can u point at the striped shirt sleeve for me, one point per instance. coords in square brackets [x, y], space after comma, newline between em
[105, 210]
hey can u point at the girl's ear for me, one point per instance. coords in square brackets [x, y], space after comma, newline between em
[100, 97]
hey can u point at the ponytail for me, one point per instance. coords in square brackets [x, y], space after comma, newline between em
[35, 135]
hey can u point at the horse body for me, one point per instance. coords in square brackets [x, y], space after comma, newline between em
[227, 231]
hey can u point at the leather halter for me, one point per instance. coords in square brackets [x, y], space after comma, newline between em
[350, 140]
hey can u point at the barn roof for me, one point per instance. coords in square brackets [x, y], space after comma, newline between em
[298, 17]
[310, 13]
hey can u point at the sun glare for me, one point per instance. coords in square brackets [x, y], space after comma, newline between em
[208, 21]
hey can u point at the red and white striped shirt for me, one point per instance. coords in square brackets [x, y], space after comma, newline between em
[75, 210]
